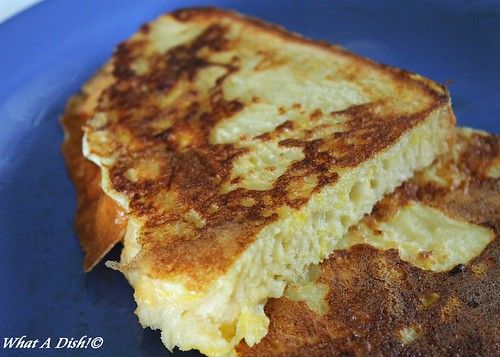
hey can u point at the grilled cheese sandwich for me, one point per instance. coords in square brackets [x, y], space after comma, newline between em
[239, 154]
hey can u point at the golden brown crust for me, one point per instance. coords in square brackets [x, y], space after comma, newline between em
[99, 222]
[374, 295]
[191, 170]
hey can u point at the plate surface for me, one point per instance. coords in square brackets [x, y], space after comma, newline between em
[48, 52]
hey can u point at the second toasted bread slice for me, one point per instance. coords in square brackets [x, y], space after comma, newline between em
[418, 276]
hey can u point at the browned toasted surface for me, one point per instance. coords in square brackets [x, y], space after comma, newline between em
[375, 298]
[99, 222]
[375, 295]
[155, 122]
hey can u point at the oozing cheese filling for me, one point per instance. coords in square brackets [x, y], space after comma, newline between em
[425, 237]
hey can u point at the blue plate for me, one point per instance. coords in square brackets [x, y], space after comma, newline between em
[47, 52]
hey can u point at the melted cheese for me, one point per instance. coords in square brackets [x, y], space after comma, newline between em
[425, 237]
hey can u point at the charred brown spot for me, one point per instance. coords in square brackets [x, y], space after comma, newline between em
[457, 269]
[145, 28]
[316, 114]
[236, 180]
[184, 15]
[265, 136]
[424, 255]
[288, 125]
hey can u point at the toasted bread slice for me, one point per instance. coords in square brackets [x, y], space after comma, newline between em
[100, 222]
[421, 277]
[240, 154]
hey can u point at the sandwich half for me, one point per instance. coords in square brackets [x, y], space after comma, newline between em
[231, 155]
[418, 276]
